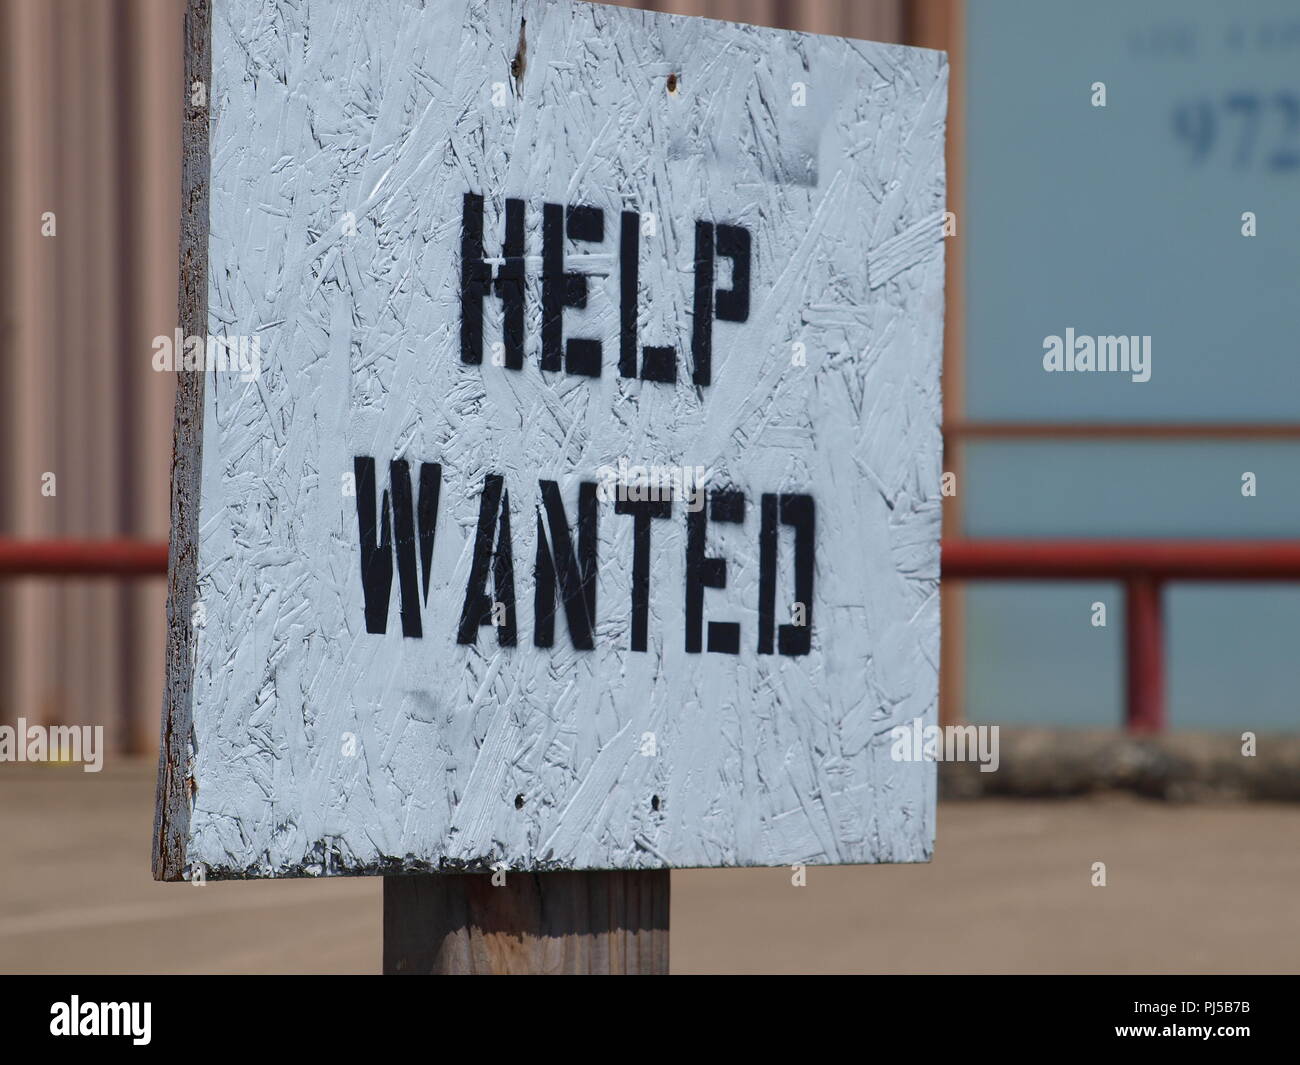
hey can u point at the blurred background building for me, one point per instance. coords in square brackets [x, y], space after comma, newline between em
[1128, 219]
[1122, 219]
[90, 95]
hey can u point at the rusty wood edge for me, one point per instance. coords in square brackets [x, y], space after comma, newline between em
[172, 812]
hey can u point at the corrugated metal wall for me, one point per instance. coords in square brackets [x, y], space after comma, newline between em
[90, 96]
[90, 132]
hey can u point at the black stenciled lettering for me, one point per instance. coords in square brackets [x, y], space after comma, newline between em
[798, 511]
[628, 279]
[767, 543]
[702, 315]
[476, 282]
[703, 572]
[561, 289]
[733, 303]
[375, 529]
[642, 511]
[726, 304]
[658, 363]
[479, 608]
[557, 563]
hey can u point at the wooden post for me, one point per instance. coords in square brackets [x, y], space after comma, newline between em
[548, 923]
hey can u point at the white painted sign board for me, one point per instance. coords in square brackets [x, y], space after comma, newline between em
[489, 258]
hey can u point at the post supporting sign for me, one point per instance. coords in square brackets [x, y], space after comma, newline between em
[557, 481]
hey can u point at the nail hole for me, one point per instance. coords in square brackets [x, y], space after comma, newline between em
[521, 56]
[654, 803]
[672, 82]
[519, 802]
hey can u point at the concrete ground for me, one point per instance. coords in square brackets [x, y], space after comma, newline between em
[1189, 888]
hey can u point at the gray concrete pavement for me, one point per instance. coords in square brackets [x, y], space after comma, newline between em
[1190, 888]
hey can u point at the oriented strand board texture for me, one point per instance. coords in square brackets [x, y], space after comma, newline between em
[469, 757]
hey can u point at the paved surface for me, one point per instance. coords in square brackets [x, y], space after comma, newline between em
[1190, 888]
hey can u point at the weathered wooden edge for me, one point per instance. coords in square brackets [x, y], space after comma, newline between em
[609, 922]
[172, 812]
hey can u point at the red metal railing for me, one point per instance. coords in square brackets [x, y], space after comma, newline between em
[1143, 565]
[1162, 560]
[81, 558]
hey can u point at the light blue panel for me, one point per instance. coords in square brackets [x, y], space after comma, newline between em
[1034, 658]
[1131, 488]
[1127, 219]
[1232, 655]
[1230, 649]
